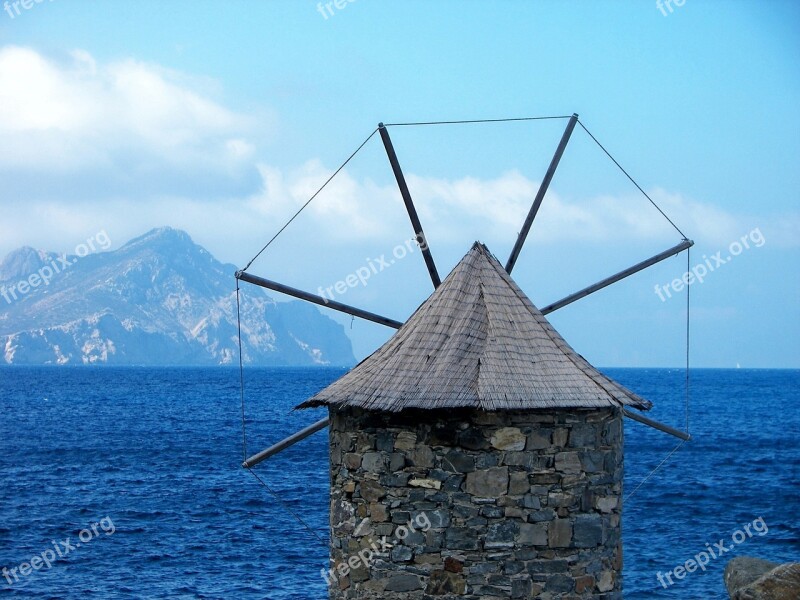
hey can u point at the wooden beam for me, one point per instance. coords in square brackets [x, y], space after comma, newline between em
[537, 202]
[285, 443]
[345, 308]
[656, 425]
[412, 211]
[323, 423]
[621, 275]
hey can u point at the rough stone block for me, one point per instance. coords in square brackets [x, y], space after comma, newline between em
[445, 582]
[372, 491]
[378, 512]
[532, 534]
[559, 533]
[518, 483]
[430, 484]
[402, 554]
[406, 440]
[421, 456]
[508, 438]
[438, 518]
[461, 538]
[473, 439]
[458, 462]
[560, 436]
[559, 583]
[502, 534]
[532, 502]
[352, 461]
[587, 531]
[374, 462]
[606, 504]
[396, 461]
[566, 462]
[539, 439]
[583, 436]
[488, 483]
[403, 582]
[606, 581]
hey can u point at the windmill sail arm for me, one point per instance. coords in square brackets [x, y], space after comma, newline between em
[345, 308]
[537, 202]
[323, 423]
[412, 211]
[685, 244]
[656, 425]
[285, 443]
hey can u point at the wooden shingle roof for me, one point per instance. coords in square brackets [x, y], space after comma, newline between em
[476, 342]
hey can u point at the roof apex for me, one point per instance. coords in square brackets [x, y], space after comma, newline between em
[476, 342]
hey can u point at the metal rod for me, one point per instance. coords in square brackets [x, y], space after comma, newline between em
[285, 443]
[656, 425]
[345, 308]
[412, 211]
[621, 275]
[537, 202]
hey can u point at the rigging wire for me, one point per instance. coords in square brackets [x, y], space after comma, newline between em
[288, 508]
[241, 372]
[335, 173]
[688, 288]
[653, 472]
[283, 503]
[632, 180]
[475, 121]
[687, 394]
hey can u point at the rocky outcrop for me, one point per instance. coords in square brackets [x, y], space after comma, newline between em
[748, 578]
[158, 300]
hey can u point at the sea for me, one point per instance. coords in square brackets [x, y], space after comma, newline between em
[130, 479]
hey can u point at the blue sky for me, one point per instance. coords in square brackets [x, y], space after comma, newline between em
[222, 118]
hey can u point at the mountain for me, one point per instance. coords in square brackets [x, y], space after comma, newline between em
[158, 300]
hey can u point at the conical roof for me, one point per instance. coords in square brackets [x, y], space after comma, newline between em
[477, 342]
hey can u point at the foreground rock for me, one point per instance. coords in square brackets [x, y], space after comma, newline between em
[748, 578]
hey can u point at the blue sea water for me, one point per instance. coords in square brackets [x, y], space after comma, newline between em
[153, 455]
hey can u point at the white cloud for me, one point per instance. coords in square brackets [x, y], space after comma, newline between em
[496, 208]
[347, 209]
[125, 146]
[78, 114]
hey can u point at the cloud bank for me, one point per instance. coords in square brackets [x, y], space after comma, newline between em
[126, 145]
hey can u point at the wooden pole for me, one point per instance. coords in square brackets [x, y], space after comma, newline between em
[621, 275]
[537, 202]
[656, 425]
[285, 443]
[345, 308]
[323, 423]
[412, 211]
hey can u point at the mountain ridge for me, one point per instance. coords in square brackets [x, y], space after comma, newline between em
[160, 299]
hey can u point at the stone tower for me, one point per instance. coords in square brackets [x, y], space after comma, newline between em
[475, 455]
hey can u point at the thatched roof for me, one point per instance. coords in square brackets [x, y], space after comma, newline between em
[477, 342]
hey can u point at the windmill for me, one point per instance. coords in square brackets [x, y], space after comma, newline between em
[541, 417]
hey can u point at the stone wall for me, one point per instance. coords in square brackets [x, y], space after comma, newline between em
[472, 504]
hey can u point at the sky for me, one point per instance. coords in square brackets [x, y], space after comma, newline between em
[223, 119]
